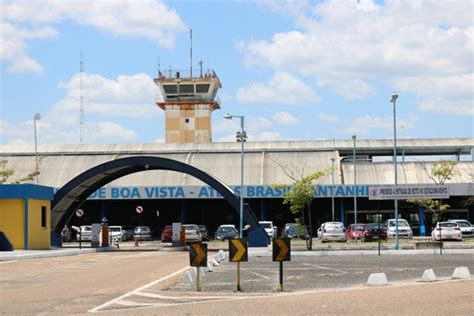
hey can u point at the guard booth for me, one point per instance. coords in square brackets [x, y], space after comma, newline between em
[25, 215]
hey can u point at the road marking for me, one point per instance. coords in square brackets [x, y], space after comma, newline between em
[324, 268]
[96, 309]
[258, 274]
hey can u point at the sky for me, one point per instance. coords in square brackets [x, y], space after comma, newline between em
[295, 69]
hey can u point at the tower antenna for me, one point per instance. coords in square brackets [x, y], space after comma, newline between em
[191, 52]
[81, 100]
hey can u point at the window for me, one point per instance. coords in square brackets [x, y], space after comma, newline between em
[43, 216]
[170, 88]
[202, 88]
[186, 88]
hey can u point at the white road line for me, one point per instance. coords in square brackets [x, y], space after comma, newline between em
[96, 309]
[164, 297]
[257, 274]
[324, 268]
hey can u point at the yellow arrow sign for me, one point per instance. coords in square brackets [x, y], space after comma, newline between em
[283, 249]
[241, 250]
[200, 254]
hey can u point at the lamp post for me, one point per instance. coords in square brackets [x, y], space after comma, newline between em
[355, 185]
[36, 118]
[394, 101]
[332, 189]
[241, 137]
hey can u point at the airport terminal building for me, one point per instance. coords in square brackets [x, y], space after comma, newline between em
[168, 196]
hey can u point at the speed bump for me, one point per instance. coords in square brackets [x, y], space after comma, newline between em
[238, 250]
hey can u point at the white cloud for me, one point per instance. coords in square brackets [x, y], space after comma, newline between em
[126, 96]
[283, 88]
[285, 118]
[266, 136]
[25, 19]
[368, 124]
[329, 118]
[348, 45]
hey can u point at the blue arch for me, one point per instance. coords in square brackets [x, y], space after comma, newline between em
[75, 192]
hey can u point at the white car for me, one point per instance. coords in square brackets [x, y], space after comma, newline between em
[332, 231]
[446, 231]
[269, 228]
[192, 233]
[85, 233]
[117, 233]
[467, 230]
[404, 229]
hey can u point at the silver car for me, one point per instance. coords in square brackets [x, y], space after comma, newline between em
[192, 233]
[332, 231]
[467, 229]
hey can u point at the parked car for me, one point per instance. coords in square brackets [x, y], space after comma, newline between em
[191, 233]
[167, 233]
[142, 233]
[467, 230]
[269, 228]
[294, 230]
[116, 233]
[355, 231]
[204, 232]
[333, 231]
[372, 231]
[128, 232]
[226, 232]
[404, 229]
[446, 231]
[85, 233]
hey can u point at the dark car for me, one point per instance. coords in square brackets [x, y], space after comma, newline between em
[204, 232]
[167, 233]
[371, 232]
[142, 233]
[294, 230]
[226, 232]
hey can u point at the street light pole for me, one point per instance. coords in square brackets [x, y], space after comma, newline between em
[37, 117]
[332, 189]
[241, 137]
[355, 186]
[394, 100]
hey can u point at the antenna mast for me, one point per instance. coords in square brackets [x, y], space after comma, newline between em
[81, 100]
[191, 52]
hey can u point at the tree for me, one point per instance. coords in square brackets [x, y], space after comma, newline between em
[6, 173]
[440, 172]
[300, 195]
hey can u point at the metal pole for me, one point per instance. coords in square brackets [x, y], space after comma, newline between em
[332, 189]
[394, 100]
[36, 118]
[241, 173]
[355, 187]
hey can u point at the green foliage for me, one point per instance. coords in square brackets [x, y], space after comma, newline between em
[6, 173]
[441, 171]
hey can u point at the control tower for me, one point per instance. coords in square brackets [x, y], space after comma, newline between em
[188, 103]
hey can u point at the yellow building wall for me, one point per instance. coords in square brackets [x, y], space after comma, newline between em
[39, 237]
[12, 221]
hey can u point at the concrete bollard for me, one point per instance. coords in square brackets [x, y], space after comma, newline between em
[428, 276]
[189, 279]
[221, 255]
[377, 279]
[461, 273]
[214, 262]
[209, 267]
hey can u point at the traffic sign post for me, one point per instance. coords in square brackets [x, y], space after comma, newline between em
[139, 210]
[79, 213]
[281, 252]
[238, 253]
[198, 258]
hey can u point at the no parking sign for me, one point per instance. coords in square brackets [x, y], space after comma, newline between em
[79, 213]
[139, 209]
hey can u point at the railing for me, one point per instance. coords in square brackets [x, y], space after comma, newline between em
[177, 74]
